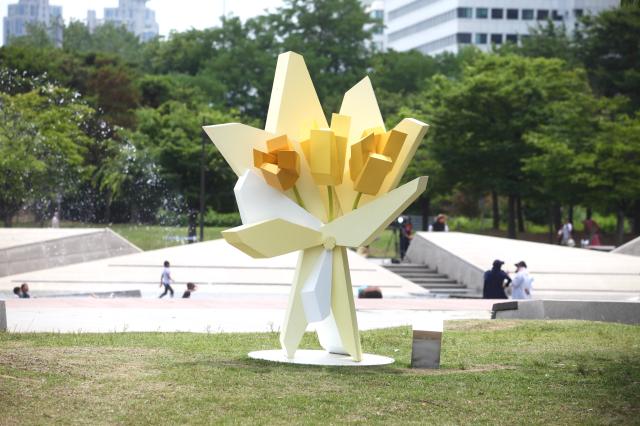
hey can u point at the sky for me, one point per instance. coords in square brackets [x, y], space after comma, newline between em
[177, 15]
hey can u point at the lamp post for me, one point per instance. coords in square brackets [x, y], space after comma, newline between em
[202, 170]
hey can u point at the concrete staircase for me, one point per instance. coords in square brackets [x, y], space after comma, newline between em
[438, 284]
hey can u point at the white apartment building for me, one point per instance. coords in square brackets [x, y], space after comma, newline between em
[133, 14]
[25, 12]
[435, 26]
[375, 9]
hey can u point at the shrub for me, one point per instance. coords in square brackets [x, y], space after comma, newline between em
[224, 220]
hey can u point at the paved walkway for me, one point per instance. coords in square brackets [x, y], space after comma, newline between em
[226, 314]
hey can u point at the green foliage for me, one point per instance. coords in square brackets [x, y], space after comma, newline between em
[223, 220]
[42, 147]
[612, 62]
[173, 134]
[108, 38]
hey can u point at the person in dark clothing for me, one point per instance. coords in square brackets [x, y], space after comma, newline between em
[406, 234]
[494, 282]
[440, 224]
[24, 291]
[190, 288]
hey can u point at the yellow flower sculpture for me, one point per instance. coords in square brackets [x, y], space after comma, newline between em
[354, 163]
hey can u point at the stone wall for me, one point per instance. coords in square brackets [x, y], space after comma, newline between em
[63, 251]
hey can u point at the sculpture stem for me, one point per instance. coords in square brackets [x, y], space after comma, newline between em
[298, 198]
[330, 191]
[356, 201]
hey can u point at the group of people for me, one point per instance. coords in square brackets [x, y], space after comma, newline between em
[406, 230]
[591, 233]
[497, 282]
[166, 280]
[22, 292]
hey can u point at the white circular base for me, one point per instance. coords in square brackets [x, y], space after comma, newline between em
[317, 357]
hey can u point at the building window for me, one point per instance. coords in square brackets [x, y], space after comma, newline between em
[578, 13]
[527, 14]
[512, 38]
[464, 38]
[465, 12]
[496, 38]
[556, 16]
[496, 13]
[481, 38]
[512, 13]
[482, 13]
[543, 15]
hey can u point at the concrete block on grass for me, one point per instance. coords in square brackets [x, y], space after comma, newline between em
[3, 316]
[427, 344]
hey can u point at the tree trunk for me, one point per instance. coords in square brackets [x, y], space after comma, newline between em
[425, 207]
[557, 216]
[520, 212]
[619, 227]
[636, 218]
[511, 220]
[193, 221]
[552, 230]
[570, 213]
[496, 210]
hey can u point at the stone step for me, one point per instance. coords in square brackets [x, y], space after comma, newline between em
[462, 290]
[406, 267]
[410, 275]
[434, 280]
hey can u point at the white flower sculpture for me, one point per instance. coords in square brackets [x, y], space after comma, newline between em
[307, 185]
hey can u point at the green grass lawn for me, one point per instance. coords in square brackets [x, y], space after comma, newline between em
[152, 237]
[493, 372]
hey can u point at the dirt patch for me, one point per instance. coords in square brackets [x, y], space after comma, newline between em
[480, 325]
[103, 361]
[445, 371]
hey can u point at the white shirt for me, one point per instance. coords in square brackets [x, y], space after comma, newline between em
[166, 276]
[520, 282]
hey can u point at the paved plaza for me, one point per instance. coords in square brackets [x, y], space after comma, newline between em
[237, 293]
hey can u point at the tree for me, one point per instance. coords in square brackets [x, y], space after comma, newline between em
[547, 40]
[614, 174]
[172, 134]
[335, 38]
[108, 38]
[612, 62]
[480, 122]
[42, 147]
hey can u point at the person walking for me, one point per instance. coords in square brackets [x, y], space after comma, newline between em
[495, 281]
[591, 231]
[565, 234]
[166, 280]
[521, 286]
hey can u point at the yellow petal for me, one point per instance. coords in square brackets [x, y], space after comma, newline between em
[265, 239]
[294, 104]
[277, 177]
[373, 174]
[259, 158]
[391, 143]
[360, 227]
[288, 160]
[278, 144]
[415, 131]
[236, 143]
